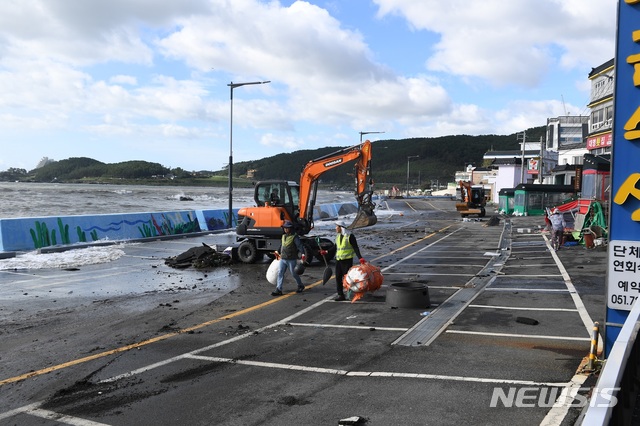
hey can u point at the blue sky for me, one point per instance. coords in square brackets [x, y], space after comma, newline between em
[147, 79]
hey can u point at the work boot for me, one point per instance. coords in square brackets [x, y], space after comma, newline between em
[340, 298]
[300, 289]
[276, 292]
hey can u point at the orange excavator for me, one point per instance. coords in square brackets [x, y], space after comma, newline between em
[260, 228]
[472, 200]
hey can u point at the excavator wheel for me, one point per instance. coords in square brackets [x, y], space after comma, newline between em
[330, 247]
[247, 252]
[308, 252]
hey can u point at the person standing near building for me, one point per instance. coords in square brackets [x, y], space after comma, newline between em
[289, 248]
[557, 228]
[346, 249]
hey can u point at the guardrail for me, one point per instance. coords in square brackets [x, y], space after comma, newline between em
[614, 398]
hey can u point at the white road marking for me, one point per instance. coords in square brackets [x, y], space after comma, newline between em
[432, 274]
[531, 290]
[559, 411]
[355, 327]
[35, 410]
[390, 374]
[535, 275]
[524, 308]
[582, 310]
[527, 336]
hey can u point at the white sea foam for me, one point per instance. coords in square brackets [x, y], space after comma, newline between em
[67, 259]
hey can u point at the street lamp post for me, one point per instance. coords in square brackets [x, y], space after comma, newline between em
[232, 86]
[366, 133]
[409, 158]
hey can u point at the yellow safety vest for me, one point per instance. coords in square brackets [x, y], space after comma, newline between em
[344, 250]
[289, 249]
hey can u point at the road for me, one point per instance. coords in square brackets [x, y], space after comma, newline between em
[133, 341]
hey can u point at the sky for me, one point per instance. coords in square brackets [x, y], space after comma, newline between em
[148, 80]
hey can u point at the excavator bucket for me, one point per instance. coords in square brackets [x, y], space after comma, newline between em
[364, 218]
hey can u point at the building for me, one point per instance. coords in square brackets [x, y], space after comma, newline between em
[600, 138]
[576, 153]
[566, 135]
[507, 166]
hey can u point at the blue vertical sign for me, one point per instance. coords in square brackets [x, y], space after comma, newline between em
[623, 272]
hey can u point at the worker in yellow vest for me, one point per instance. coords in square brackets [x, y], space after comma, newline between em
[346, 249]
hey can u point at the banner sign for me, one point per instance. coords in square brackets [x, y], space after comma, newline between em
[534, 164]
[601, 141]
[624, 223]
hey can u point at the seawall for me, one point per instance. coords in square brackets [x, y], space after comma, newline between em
[32, 233]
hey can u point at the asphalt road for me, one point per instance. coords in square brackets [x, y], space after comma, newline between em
[135, 342]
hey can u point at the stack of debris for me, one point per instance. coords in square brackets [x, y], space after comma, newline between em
[199, 257]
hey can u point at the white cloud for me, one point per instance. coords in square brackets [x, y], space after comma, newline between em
[152, 73]
[286, 142]
[124, 79]
[511, 42]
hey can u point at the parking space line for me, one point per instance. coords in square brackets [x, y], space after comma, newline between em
[62, 418]
[527, 336]
[513, 308]
[532, 290]
[535, 275]
[389, 374]
[35, 410]
[558, 412]
[432, 273]
[355, 327]
[582, 310]
[453, 265]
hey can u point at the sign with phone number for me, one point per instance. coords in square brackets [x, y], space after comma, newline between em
[624, 274]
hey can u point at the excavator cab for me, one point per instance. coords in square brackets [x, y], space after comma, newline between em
[277, 201]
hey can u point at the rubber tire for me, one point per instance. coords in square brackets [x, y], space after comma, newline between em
[330, 247]
[247, 252]
[308, 253]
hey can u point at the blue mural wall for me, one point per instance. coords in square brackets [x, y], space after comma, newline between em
[22, 234]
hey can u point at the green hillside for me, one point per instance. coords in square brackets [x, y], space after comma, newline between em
[439, 159]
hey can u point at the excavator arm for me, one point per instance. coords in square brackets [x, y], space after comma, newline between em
[316, 168]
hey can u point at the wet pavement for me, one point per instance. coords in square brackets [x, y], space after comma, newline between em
[135, 342]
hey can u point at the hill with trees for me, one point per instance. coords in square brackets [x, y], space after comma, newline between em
[437, 159]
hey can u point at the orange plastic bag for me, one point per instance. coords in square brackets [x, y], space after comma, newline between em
[362, 278]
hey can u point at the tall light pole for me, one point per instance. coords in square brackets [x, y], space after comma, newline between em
[366, 133]
[232, 86]
[409, 158]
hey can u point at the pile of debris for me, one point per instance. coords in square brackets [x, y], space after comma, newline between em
[200, 257]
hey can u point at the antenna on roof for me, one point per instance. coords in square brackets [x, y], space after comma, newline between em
[564, 106]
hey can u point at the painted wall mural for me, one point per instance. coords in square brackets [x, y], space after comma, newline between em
[23, 234]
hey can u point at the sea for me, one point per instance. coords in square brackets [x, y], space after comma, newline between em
[19, 199]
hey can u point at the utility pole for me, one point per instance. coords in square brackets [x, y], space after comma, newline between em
[524, 141]
[541, 164]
